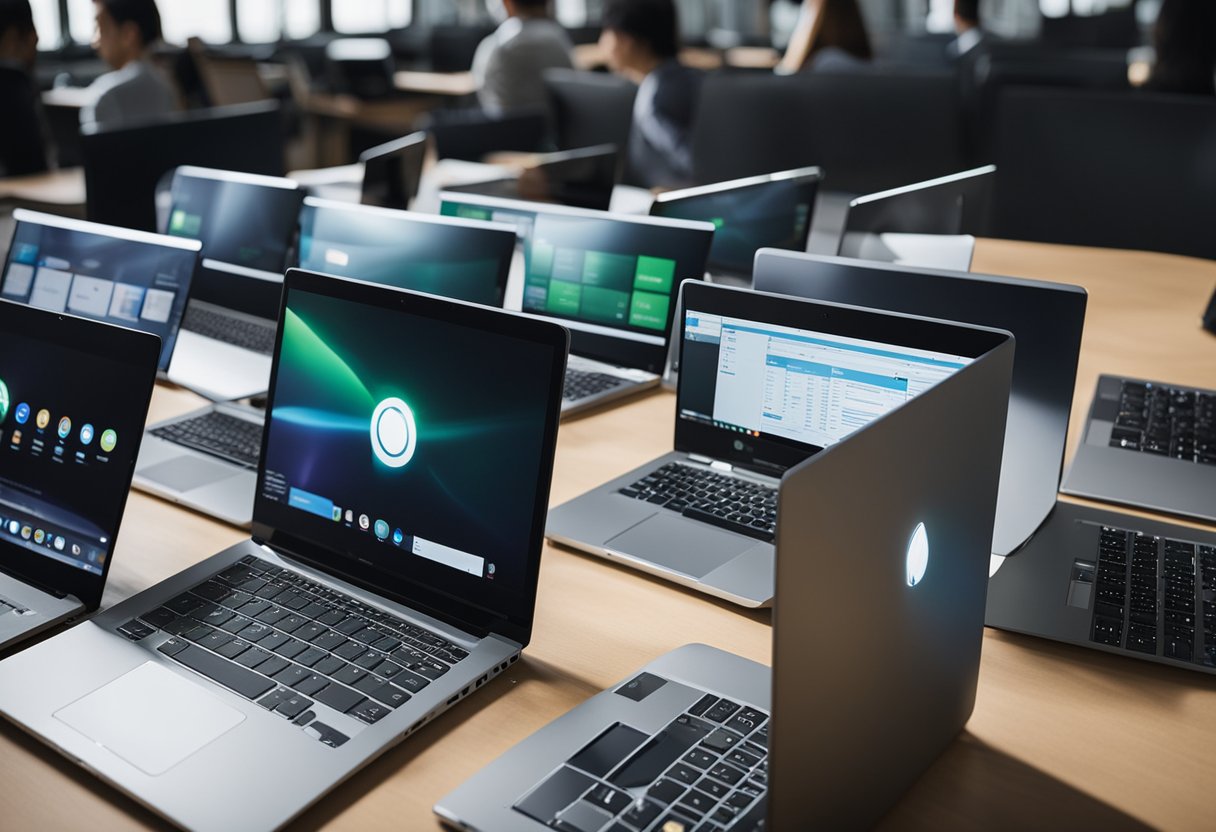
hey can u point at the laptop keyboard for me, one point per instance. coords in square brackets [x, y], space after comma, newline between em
[581, 384]
[287, 642]
[1155, 595]
[1168, 421]
[251, 335]
[219, 434]
[707, 770]
[731, 502]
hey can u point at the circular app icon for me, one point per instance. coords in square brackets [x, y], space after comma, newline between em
[108, 440]
[22, 413]
[86, 434]
[393, 432]
[364, 521]
[39, 535]
[13, 527]
[65, 427]
[381, 529]
[44, 418]
[26, 531]
[60, 543]
[4, 402]
[398, 536]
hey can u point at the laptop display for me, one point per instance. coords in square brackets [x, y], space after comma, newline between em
[583, 178]
[116, 275]
[73, 398]
[456, 259]
[392, 172]
[748, 214]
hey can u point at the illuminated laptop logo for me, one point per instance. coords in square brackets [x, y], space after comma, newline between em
[393, 433]
[918, 555]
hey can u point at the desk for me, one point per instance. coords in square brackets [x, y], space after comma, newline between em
[454, 84]
[64, 187]
[1061, 736]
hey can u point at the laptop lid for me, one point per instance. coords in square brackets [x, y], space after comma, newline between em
[881, 574]
[612, 280]
[767, 381]
[582, 178]
[74, 396]
[117, 275]
[1046, 318]
[392, 172]
[409, 447]
[770, 211]
[463, 259]
[246, 224]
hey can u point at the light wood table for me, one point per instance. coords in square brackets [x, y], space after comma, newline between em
[454, 84]
[1061, 737]
[63, 187]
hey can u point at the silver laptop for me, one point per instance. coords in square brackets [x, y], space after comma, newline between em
[766, 381]
[611, 279]
[882, 558]
[392, 571]
[117, 275]
[74, 395]
[246, 224]
[207, 459]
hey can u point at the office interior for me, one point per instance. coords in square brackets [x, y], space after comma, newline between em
[1027, 146]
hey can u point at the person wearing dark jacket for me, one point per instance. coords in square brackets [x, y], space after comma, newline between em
[22, 144]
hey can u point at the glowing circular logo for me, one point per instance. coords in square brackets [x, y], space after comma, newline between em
[918, 555]
[393, 433]
[4, 403]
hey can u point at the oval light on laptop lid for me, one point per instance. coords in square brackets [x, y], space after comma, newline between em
[918, 555]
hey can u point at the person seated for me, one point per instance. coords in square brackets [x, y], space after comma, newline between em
[1184, 38]
[830, 35]
[640, 41]
[135, 91]
[967, 27]
[22, 149]
[509, 64]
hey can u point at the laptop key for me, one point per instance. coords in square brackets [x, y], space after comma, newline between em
[606, 751]
[558, 791]
[713, 519]
[703, 704]
[272, 616]
[328, 665]
[666, 791]
[642, 813]
[338, 697]
[722, 711]
[159, 617]
[246, 682]
[371, 712]
[273, 665]
[310, 685]
[172, 646]
[310, 656]
[390, 695]
[252, 657]
[608, 798]
[184, 604]
[293, 705]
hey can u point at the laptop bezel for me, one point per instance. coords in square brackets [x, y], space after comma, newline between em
[497, 609]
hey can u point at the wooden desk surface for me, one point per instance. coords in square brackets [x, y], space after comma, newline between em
[64, 187]
[436, 83]
[1061, 737]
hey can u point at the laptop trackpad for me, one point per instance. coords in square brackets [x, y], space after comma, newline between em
[151, 717]
[186, 473]
[686, 546]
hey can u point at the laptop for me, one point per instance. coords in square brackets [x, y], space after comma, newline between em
[583, 178]
[1086, 576]
[392, 172]
[932, 224]
[247, 224]
[1150, 445]
[1209, 316]
[116, 275]
[769, 211]
[207, 459]
[889, 529]
[611, 279]
[392, 570]
[74, 394]
[766, 381]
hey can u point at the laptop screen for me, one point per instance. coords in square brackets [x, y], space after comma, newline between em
[392, 172]
[749, 214]
[451, 258]
[583, 178]
[412, 442]
[73, 399]
[130, 278]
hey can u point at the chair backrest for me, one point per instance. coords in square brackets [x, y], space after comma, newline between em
[451, 48]
[589, 108]
[471, 135]
[230, 80]
[868, 131]
[1126, 170]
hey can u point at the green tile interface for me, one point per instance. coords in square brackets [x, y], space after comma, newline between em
[600, 287]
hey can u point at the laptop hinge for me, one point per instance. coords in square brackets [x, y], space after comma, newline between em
[718, 465]
[704, 460]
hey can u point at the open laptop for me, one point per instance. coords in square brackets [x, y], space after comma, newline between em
[246, 224]
[770, 211]
[932, 224]
[766, 381]
[582, 178]
[74, 395]
[888, 530]
[392, 171]
[392, 571]
[207, 459]
[117, 275]
[611, 279]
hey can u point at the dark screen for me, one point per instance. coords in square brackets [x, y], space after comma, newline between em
[392, 172]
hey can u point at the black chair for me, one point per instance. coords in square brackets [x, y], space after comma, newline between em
[471, 134]
[1130, 170]
[123, 165]
[451, 48]
[589, 108]
[868, 131]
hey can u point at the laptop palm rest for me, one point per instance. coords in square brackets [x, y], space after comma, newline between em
[151, 717]
[679, 544]
[186, 473]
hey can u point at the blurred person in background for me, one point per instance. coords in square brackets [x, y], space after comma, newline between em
[127, 30]
[1184, 38]
[829, 35]
[21, 137]
[508, 64]
[967, 27]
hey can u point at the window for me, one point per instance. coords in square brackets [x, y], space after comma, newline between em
[80, 20]
[46, 22]
[371, 16]
[207, 20]
[265, 21]
[301, 18]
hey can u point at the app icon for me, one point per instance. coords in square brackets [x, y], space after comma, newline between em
[16, 439]
[393, 432]
[60, 543]
[337, 515]
[490, 569]
[86, 434]
[4, 400]
[381, 529]
[26, 532]
[350, 516]
[108, 440]
[43, 419]
[65, 427]
[364, 521]
[76, 549]
[13, 527]
[39, 535]
[398, 536]
[22, 413]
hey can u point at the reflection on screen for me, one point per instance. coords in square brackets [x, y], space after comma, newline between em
[807, 387]
[135, 284]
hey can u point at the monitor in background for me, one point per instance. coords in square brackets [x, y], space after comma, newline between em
[770, 211]
[461, 259]
[121, 276]
[122, 166]
[392, 171]
[246, 224]
[582, 178]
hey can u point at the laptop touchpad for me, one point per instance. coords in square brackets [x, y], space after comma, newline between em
[186, 473]
[685, 546]
[151, 717]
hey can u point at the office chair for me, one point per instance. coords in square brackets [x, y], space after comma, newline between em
[472, 135]
[589, 108]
